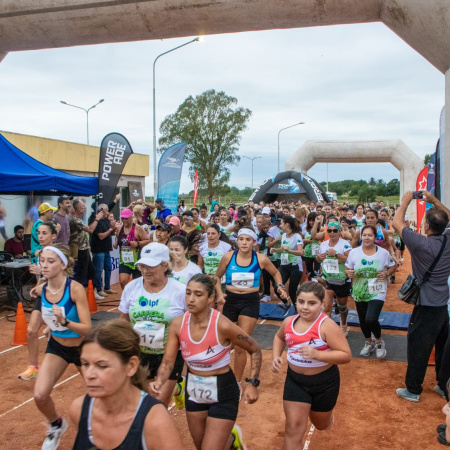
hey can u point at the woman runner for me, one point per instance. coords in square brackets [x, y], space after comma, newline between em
[129, 238]
[117, 413]
[311, 248]
[65, 311]
[150, 303]
[315, 347]
[182, 269]
[370, 266]
[242, 270]
[212, 395]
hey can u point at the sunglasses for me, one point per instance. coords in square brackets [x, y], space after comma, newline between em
[333, 230]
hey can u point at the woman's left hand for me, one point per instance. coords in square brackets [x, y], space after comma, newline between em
[251, 394]
[382, 275]
[58, 313]
[133, 244]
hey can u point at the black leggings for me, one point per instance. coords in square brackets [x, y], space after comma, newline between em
[312, 267]
[267, 279]
[368, 313]
[292, 273]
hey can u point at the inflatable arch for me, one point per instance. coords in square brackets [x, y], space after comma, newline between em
[394, 151]
[289, 186]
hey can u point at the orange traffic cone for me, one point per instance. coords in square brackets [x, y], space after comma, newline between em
[91, 298]
[20, 331]
[431, 361]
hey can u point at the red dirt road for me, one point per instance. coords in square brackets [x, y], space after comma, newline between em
[369, 415]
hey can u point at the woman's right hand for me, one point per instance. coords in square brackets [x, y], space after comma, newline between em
[349, 273]
[154, 388]
[276, 363]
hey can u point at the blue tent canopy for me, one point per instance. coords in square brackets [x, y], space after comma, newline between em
[20, 173]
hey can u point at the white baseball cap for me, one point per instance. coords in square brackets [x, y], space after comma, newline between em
[154, 254]
[266, 210]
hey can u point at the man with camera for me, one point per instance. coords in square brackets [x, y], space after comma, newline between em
[429, 321]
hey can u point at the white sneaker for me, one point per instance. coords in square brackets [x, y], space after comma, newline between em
[380, 349]
[368, 348]
[266, 299]
[98, 296]
[54, 436]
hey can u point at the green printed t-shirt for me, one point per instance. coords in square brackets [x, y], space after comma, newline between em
[152, 313]
[312, 248]
[366, 286]
[275, 233]
[212, 256]
[332, 269]
[292, 243]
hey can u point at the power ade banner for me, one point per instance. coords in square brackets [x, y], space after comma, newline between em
[421, 185]
[169, 174]
[114, 153]
[195, 187]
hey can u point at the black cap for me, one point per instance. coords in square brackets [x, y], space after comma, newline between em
[278, 218]
[165, 227]
[242, 212]
[61, 198]
[159, 200]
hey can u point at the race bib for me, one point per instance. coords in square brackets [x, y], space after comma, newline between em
[128, 257]
[284, 259]
[242, 279]
[50, 320]
[315, 249]
[151, 334]
[202, 389]
[376, 286]
[331, 266]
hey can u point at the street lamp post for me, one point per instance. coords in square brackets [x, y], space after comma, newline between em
[155, 174]
[87, 113]
[252, 159]
[300, 123]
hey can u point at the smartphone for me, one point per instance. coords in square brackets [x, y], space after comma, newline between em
[417, 195]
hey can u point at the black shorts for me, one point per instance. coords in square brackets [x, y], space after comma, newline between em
[241, 305]
[69, 354]
[228, 399]
[152, 362]
[135, 273]
[400, 245]
[321, 390]
[342, 290]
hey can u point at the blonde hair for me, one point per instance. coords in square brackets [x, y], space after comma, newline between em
[138, 210]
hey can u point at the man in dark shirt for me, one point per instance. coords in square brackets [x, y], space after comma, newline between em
[101, 245]
[429, 321]
[62, 217]
[163, 212]
[14, 246]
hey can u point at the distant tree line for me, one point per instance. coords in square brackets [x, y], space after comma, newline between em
[366, 191]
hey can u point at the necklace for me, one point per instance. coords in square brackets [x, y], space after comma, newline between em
[59, 290]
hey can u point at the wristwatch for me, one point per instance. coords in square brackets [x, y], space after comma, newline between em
[253, 381]
[65, 323]
[278, 286]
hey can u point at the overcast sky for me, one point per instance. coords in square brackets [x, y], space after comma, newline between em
[352, 82]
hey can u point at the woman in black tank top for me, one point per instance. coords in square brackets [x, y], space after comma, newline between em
[117, 413]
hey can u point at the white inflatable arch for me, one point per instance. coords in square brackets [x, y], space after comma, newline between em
[393, 151]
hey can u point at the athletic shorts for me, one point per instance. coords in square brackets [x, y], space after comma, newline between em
[400, 245]
[152, 362]
[228, 399]
[320, 391]
[241, 305]
[135, 273]
[341, 291]
[69, 354]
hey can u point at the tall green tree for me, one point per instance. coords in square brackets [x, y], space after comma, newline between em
[211, 124]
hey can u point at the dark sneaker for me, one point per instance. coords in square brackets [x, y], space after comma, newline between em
[442, 440]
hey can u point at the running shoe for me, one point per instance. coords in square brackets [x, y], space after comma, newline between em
[266, 299]
[380, 349]
[439, 391]
[442, 439]
[179, 397]
[404, 393]
[54, 435]
[441, 428]
[110, 291]
[238, 442]
[98, 296]
[368, 348]
[30, 373]
[344, 329]
[103, 293]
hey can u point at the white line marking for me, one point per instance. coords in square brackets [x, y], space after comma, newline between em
[112, 309]
[16, 346]
[32, 398]
[308, 438]
[4, 317]
[262, 321]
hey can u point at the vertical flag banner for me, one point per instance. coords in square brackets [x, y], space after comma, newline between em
[195, 187]
[169, 175]
[114, 153]
[421, 185]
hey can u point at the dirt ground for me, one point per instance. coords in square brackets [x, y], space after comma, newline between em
[369, 415]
